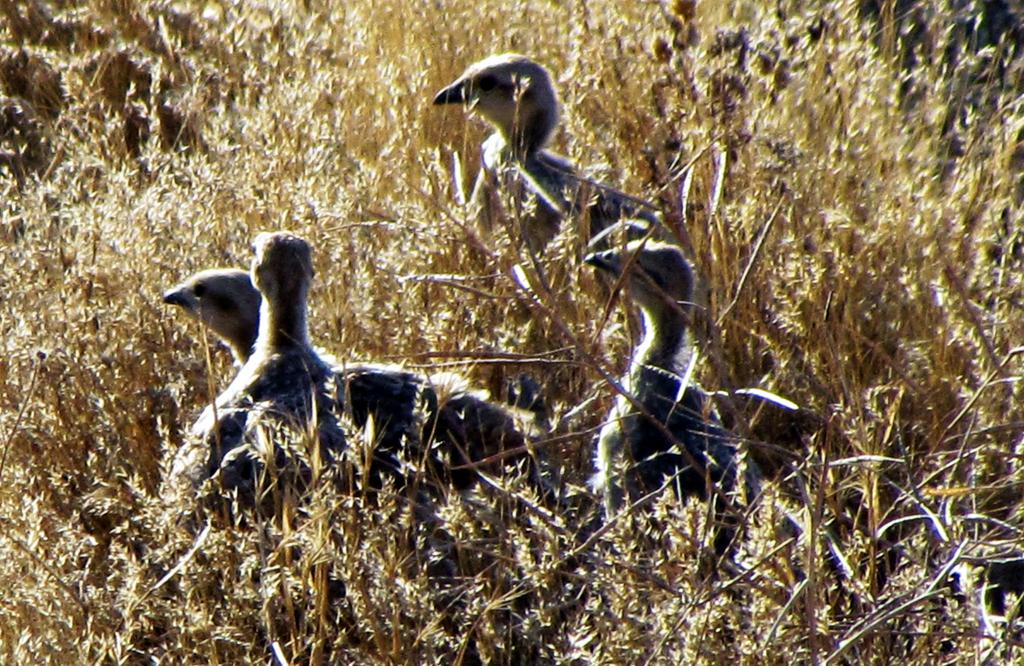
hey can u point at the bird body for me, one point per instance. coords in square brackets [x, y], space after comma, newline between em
[294, 388]
[520, 180]
[283, 383]
[662, 428]
[431, 425]
[535, 190]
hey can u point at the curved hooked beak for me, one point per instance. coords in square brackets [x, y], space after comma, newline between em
[453, 94]
[606, 260]
[182, 297]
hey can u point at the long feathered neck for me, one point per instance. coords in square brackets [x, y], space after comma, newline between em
[664, 345]
[242, 343]
[531, 131]
[283, 323]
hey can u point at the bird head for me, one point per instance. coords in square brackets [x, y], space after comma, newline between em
[225, 301]
[658, 276]
[513, 93]
[282, 266]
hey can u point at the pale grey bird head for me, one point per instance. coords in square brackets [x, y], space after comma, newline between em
[282, 269]
[659, 278]
[282, 265]
[226, 302]
[512, 92]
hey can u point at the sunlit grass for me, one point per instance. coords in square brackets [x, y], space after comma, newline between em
[855, 226]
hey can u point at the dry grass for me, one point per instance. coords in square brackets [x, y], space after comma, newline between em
[857, 231]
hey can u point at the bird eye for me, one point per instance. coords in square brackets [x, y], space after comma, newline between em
[487, 83]
[199, 290]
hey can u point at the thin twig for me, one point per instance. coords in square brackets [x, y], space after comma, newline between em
[454, 282]
[721, 159]
[974, 316]
[40, 357]
[750, 263]
[196, 545]
[889, 611]
[27, 550]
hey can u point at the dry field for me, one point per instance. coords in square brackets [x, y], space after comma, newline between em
[849, 187]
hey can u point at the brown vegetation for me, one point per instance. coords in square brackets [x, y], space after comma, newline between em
[854, 215]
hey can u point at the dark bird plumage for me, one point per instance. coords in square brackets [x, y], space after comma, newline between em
[435, 423]
[520, 180]
[283, 384]
[664, 428]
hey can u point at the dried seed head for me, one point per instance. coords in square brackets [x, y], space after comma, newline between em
[687, 9]
[661, 49]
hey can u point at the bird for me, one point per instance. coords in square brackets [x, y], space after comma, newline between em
[520, 179]
[662, 429]
[226, 301]
[284, 383]
[436, 422]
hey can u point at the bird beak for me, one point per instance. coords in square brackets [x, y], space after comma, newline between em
[182, 297]
[606, 260]
[453, 94]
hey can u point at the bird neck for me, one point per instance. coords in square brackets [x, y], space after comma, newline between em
[664, 344]
[242, 339]
[530, 131]
[241, 349]
[283, 323]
